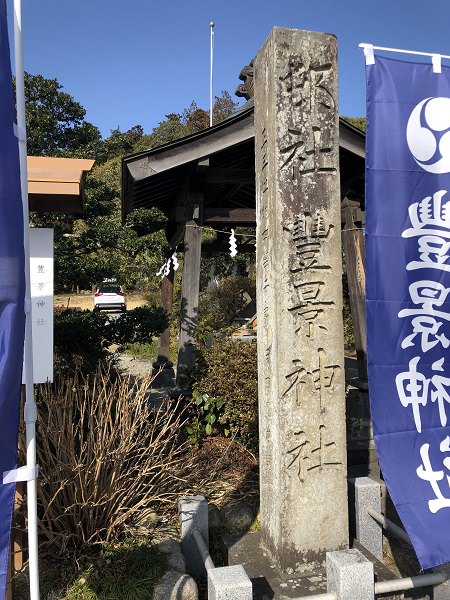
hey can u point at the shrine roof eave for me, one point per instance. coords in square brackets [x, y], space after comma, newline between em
[352, 139]
[57, 184]
[154, 177]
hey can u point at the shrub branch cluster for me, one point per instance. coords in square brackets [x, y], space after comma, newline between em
[105, 454]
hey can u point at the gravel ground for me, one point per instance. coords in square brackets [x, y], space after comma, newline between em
[85, 300]
[137, 367]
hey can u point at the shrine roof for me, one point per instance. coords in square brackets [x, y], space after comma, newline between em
[56, 184]
[220, 162]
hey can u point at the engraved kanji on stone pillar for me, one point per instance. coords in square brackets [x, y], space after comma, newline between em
[300, 332]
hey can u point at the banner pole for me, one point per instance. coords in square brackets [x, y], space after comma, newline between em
[211, 58]
[30, 412]
[400, 51]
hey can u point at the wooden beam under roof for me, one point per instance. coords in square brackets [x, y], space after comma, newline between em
[231, 132]
[221, 175]
[241, 216]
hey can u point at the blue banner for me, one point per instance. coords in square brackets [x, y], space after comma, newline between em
[408, 293]
[12, 293]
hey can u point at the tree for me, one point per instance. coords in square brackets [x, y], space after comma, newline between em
[359, 122]
[82, 338]
[167, 131]
[121, 143]
[191, 120]
[223, 107]
[78, 261]
[194, 119]
[55, 121]
[96, 245]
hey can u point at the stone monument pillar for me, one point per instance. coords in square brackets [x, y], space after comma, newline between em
[299, 271]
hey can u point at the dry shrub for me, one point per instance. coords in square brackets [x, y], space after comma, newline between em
[105, 454]
[230, 472]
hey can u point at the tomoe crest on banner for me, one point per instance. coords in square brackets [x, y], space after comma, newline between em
[428, 134]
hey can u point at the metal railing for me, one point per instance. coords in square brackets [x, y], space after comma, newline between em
[391, 585]
[404, 583]
[409, 583]
[389, 525]
[204, 552]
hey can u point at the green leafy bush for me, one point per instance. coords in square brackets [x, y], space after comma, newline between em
[146, 220]
[230, 375]
[208, 410]
[219, 304]
[139, 325]
[82, 337]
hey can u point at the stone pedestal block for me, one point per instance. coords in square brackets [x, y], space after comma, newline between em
[193, 513]
[442, 591]
[229, 583]
[350, 575]
[368, 532]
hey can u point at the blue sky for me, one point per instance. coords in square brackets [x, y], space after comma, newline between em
[134, 62]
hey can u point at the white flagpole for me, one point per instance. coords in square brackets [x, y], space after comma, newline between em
[30, 412]
[211, 54]
[400, 51]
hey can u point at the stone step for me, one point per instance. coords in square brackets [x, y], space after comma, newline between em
[269, 583]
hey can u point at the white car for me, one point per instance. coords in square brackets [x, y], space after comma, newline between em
[110, 297]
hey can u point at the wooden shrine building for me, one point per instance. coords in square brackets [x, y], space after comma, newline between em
[208, 179]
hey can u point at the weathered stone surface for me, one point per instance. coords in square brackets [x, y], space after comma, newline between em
[176, 586]
[268, 582]
[176, 562]
[238, 517]
[214, 517]
[147, 518]
[367, 495]
[300, 332]
[169, 546]
[442, 591]
[175, 558]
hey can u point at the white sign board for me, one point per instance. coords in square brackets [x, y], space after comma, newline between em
[41, 287]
